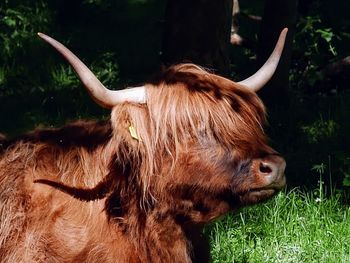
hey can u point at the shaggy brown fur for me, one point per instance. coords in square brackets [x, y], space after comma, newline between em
[103, 196]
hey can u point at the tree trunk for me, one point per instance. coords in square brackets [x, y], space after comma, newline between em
[198, 31]
[277, 15]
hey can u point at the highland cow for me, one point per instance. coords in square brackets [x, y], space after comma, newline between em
[177, 153]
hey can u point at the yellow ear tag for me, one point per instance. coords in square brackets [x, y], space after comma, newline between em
[133, 132]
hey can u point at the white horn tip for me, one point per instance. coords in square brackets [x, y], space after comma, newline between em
[283, 34]
[41, 34]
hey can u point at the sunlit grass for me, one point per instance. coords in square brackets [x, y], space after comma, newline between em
[292, 227]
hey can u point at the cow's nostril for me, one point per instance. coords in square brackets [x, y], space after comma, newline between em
[265, 168]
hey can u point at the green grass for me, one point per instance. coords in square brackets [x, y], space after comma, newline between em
[292, 227]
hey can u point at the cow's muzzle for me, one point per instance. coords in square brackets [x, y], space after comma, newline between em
[270, 172]
[266, 179]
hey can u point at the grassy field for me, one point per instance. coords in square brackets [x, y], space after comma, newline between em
[292, 227]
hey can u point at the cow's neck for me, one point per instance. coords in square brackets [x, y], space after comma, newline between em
[159, 237]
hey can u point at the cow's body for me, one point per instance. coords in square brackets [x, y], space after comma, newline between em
[139, 187]
[41, 224]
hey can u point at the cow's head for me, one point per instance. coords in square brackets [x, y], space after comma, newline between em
[193, 140]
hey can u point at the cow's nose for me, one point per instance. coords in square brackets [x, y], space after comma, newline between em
[272, 170]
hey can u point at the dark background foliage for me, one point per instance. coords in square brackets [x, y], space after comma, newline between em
[121, 41]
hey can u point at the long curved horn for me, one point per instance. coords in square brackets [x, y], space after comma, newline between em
[100, 94]
[264, 74]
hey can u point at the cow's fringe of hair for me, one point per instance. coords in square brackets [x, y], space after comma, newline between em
[187, 105]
